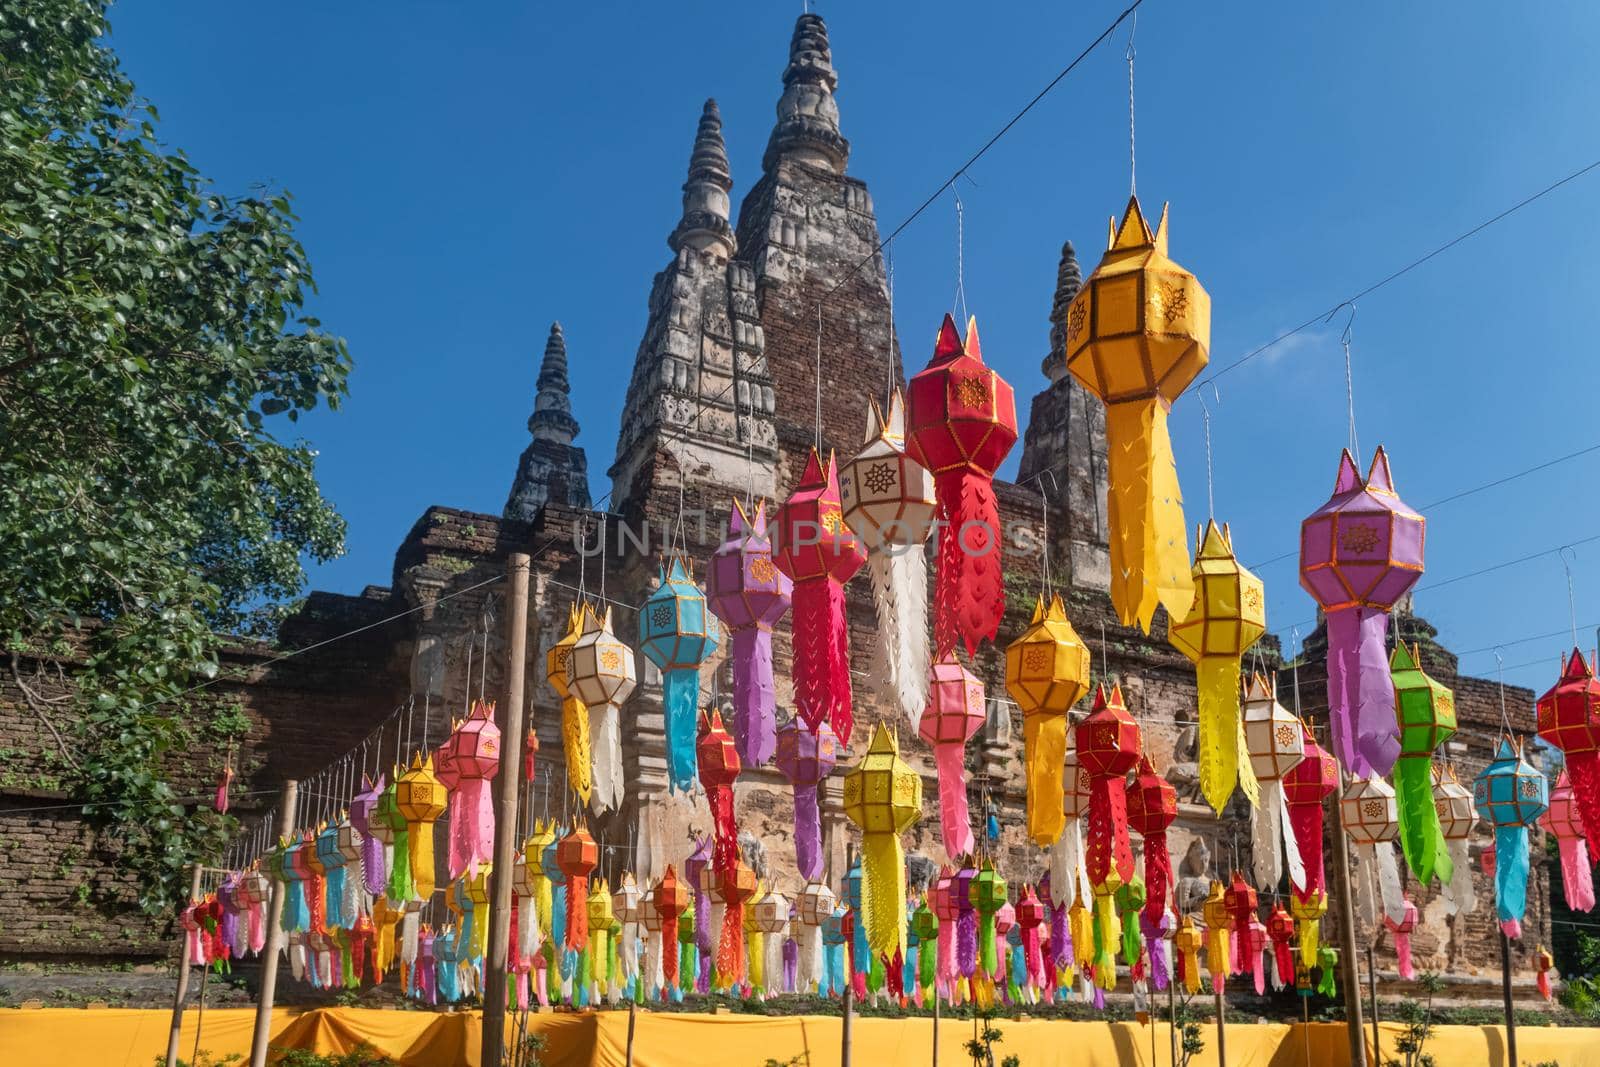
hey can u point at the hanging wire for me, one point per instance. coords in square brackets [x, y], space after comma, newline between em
[888, 393]
[1294, 669]
[1572, 609]
[1205, 414]
[1044, 522]
[1349, 386]
[1500, 673]
[1133, 31]
[960, 298]
[817, 436]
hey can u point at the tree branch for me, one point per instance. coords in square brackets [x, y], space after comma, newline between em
[37, 702]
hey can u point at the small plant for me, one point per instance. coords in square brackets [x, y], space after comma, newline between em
[981, 1048]
[1416, 1020]
[363, 1055]
[1191, 1041]
[204, 1059]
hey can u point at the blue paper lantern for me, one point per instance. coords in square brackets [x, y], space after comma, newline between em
[1510, 795]
[677, 633]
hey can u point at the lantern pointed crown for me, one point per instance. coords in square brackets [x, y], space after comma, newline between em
[717, 754]
[1364, 547]
[882, 794]
[961, 413]
[1048, 666]
[743, 584]
[1229, 613]
[1140, 326]
[1569, 713]
[813, 539]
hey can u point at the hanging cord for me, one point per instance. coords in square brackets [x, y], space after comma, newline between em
[960, 299]
[483, 660]
[817, 435]
[1349, 382]
[1205, 414]
[1133, 184]
[750, 451]
[1500, 673]
[888, 392]
[1044, 523]
[466, 690]
[1294, 668]
[1572, 609]
[1105, 664]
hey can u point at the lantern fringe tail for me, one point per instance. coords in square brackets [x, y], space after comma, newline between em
[730, 950]
[1044, 745]
[821, 667]
[422, 869]
[605, 737]
[754, 700]
[1366, 734]
[1266, 839]
[1149, 537]
[1421, 837]
[1511, 876]
[1576, 876]
[1109, 850]
[807, 832]
[575, 742]
[1460, 894]
[954, 819]
[401, 885]
[900, 596]
[1157, 876]
[1583, 771]
[471, 827]
[970, 596]
[1306, 822]
[680, 696]
[1391, 890]
[883, 893]
[1221, 742]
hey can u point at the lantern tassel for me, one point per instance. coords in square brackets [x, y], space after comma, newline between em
[1460, 895]
[1044, 746]
[1583, 771]
[1366, 734]
[1306, 822]
[898, 669]
[954, 818]
[605, 738]
[1511, 877]
[730, 950]
[1402, 951]
[1390, 889]
[970, 597]
[575, 743]
[754, 699]
[883, 893]
[1109, 850]
[471, 827]
[401, 885]
[807, 832]
[1157, 876]
[821, 668]
[577, 913]
[680, 697]
[1221, 743]
[420, 837]
[1149, 537]
[1420, 834]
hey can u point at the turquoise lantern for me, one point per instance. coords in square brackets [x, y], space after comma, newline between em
[1510, 795]
[677, 633]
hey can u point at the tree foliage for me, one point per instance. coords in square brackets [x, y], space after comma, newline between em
[153, 346]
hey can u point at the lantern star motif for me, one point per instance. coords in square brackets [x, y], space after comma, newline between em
[887, 498]
[883, 797]
[1047, 672]
[819, 558]
[677, 634]
[1569, 718]
[1426, 712]
[1510, 795]
[745, 589]
[1144, 325]
[1359, 553]
[1219, 628]
[961, 421]
[601, 674]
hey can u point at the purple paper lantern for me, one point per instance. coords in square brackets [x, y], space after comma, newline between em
[805, 758]
[748, 592]
[1359, 553]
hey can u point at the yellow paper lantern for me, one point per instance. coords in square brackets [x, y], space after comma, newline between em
[1229, 615]
[1137, 335]
[883, 797]
[574, 716]
[420, 797]
[1047, 671]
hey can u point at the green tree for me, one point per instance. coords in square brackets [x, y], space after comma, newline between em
[1416, 1019]
[153, 346]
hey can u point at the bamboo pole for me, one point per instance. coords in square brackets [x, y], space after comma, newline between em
[935, 1025]
[633, 1007]
[1222, 1031]
[1349, 972]
[511, 714]
[849, 1018]
[1372, 995]
[1172, 1015]
[274, 945]
[199, 1018]
[183, 976]
[1505, 989]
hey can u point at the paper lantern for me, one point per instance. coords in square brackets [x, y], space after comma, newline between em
[1030, 912]
[601, 918]
[1280, 929]
[806, 757]
[1047, 672]
[574, 716]
[1228, 616]
[1543, 963]
[363, 807]
[390, 826]
[1565, 821]
[333, 863]
[888, 500]
[1426, 712]
[471, 759]
[1219, 926]
[677, 635]
[961, 421]
[1137, 335]
[672, 901]
[947, 912]
[420, 800]
[719, 763]
[1305, 787]
[954, 713]
[1569, 718]
[1308, 911]
[1273, 738]
[1069, 876]
[1372, 819]
[965, 925]
[883, 797]
[577, 855]
[988, 895]
[1452, 802]
[627, 908]
[1109, 746]
[1510, 795]
[772, 919]
[1186, 944]
[819, 553]
[1152, 807]
[1242, 903]
[814, 905]
[747, 591]
[600, 673]
[733, 887]
[1359, 553]
[1400, 929]
[926, 926]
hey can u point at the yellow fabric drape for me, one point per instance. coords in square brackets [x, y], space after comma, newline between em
[1149, 537]
[883, 893]
[1044, 746]
[575, 743]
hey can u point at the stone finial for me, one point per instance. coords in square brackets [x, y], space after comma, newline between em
[1069, 279]
[552, 411]
[808, 116]
[704, 225]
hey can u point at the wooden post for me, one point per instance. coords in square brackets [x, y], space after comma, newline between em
[1350, 974]
[935, 1026]
[633, 1006]
[1222, 1032]
[274, 945]
[849, 1018]
[183, 977]
[199, 1017]
[1505, 989]
[511, 714]
[1172, 1013]
[1372, 998]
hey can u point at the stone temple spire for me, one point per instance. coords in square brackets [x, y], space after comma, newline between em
[552, 470]
[1069, 279]
[552, 410]
[808, 116]
[704, 225]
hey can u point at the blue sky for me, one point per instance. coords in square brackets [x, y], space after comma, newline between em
[466, 173]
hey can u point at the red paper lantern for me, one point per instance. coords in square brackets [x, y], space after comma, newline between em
[671, 900]
[1307, 784]
[1569, 718]
[1109, 746]
[577, 855]
[718, 756]
[1152, 807]
[961, 421]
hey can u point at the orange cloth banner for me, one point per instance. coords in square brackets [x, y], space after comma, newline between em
[107, 1037]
